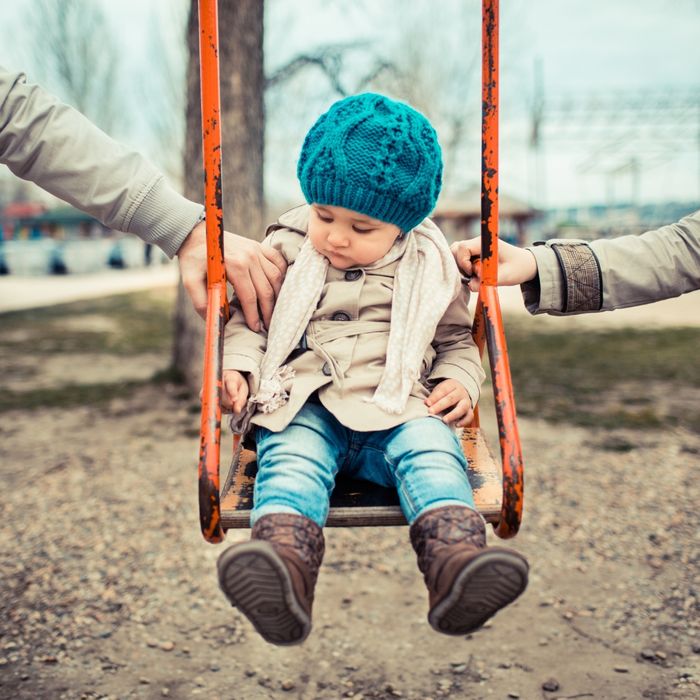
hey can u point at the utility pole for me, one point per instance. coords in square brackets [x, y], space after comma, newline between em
[537, 169]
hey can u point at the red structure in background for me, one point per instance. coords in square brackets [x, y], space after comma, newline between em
[16, 211]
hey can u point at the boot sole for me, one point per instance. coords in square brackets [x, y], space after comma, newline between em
[256, 581]
[487, 584]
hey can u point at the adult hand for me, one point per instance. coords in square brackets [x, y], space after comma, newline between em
[256, 273]
[515, 265]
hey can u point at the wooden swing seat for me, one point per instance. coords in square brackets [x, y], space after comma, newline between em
[360, 503]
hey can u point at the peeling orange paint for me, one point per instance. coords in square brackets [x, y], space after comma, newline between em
[217, 306]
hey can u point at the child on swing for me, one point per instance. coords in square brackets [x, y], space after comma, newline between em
[367, 364]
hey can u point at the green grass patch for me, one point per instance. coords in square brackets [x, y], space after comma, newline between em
[591, 360]
[124, 324]
[603, 378]
[66, 396]
[70, 395]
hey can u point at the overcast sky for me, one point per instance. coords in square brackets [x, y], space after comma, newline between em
[584, 46]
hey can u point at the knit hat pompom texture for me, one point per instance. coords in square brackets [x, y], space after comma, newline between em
[375, 156]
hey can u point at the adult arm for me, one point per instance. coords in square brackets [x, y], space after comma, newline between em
[53, 145]
[568, 277]
[580, 277]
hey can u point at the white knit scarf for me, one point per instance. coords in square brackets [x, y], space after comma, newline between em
[425, 282]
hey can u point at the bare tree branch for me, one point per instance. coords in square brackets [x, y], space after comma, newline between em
[78, 63]
[381, 66]
[329, 59]
[436, 77]
[163, 88]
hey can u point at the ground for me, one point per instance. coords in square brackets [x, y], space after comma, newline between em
[108, 590]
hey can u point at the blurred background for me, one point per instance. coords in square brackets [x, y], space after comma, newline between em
[107, 589]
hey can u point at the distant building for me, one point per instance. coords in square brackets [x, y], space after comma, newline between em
[459, 215]
[602, 221]
[32, 221]
[35, 240]
[19, 211]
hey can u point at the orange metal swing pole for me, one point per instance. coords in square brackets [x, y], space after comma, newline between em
[488, 324]
[217, 302]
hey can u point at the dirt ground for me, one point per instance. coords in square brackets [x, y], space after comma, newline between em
[108, 590]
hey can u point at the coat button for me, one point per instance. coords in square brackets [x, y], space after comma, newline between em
[352, 275]
[340, 316]
[326, 369]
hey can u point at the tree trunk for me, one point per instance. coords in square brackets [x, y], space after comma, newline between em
[242, 133]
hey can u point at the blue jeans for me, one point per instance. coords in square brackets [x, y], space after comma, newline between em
[422, 459]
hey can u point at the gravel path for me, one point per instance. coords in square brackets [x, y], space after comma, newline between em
[108, 589]
[19, 292]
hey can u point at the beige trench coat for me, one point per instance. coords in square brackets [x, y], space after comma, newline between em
[346, 342]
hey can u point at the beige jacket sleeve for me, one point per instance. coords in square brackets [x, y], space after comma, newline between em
[580, 277]
[456, 354]
[56, 147]
[244, 349]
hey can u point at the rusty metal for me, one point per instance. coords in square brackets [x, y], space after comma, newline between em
[217, 306]
[508, 436]
[479, 335]
[488, 323]
[489, 141]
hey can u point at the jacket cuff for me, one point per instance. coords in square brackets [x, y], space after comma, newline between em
[583, 284]
[163, 217]
[447, 370]
[545, 293]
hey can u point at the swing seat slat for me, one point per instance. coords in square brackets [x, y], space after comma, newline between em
[357, 503]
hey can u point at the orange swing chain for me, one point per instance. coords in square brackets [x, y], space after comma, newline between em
[217, 302]
[488, 323]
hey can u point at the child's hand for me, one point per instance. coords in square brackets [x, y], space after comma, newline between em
[451, 394]
[235, 391]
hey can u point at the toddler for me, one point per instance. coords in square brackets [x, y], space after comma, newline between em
[367, 366]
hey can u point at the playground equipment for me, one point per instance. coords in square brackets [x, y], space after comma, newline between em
[498, 488]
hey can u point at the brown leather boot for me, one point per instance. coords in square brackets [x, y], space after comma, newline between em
[467, 581]
[271, 579]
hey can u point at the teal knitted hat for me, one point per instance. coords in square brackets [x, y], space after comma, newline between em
[375, 156]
